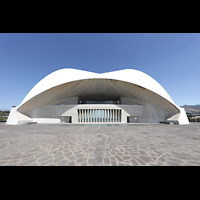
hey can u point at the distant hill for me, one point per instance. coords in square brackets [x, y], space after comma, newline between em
[194, 109]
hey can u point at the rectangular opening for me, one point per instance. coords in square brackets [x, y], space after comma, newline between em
[99, 115]
[66, 119]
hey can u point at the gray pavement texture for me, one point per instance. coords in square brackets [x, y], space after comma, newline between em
[100, 145]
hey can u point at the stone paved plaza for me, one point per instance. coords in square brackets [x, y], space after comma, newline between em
[100, 145]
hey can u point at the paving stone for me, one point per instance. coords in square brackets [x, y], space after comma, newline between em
[100, 145]
[135, 163]
[146, 159]
[44, 158]
[114, 163]
[140, 161]
[122, 164]
[126, 157]
[107, 161]
[90, 161]
[72, 163]
[118, 158]
[26, 163]
[46, 162]
[58, 159]
[63, 162]
[81, 160]
[172, 163]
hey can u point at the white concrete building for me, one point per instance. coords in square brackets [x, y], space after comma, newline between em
[77, 96]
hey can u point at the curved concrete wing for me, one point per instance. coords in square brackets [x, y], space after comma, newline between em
[69, 87]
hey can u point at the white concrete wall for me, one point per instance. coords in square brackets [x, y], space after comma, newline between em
[145, 113]
[66, 101]
[46, 120]
[127, 101]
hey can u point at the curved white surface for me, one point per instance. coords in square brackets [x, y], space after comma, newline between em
[68, 75]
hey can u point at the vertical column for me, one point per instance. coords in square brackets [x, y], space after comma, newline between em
[108, 115]
[118, 115]
[91, 115]
[103, 115]
[115, 115]
[98, 115]
[86, 115]
[111, 115]
[81, 115]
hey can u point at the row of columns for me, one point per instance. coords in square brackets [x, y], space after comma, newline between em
[99, 115]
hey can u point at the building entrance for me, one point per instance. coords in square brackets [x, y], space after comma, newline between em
[99, 115]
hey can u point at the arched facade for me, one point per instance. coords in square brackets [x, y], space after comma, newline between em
[77, 96]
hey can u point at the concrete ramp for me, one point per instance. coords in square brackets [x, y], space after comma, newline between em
[179, 118]
[15, 117]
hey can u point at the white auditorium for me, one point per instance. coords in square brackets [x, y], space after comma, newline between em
[77, 96]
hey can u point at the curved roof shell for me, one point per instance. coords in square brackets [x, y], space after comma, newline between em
[65, 83]
[93, 83]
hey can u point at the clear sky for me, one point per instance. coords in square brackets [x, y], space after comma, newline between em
[172, 59]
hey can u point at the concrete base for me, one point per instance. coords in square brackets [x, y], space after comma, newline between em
[140, 113]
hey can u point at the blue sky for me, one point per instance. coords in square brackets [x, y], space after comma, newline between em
[172, 59]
